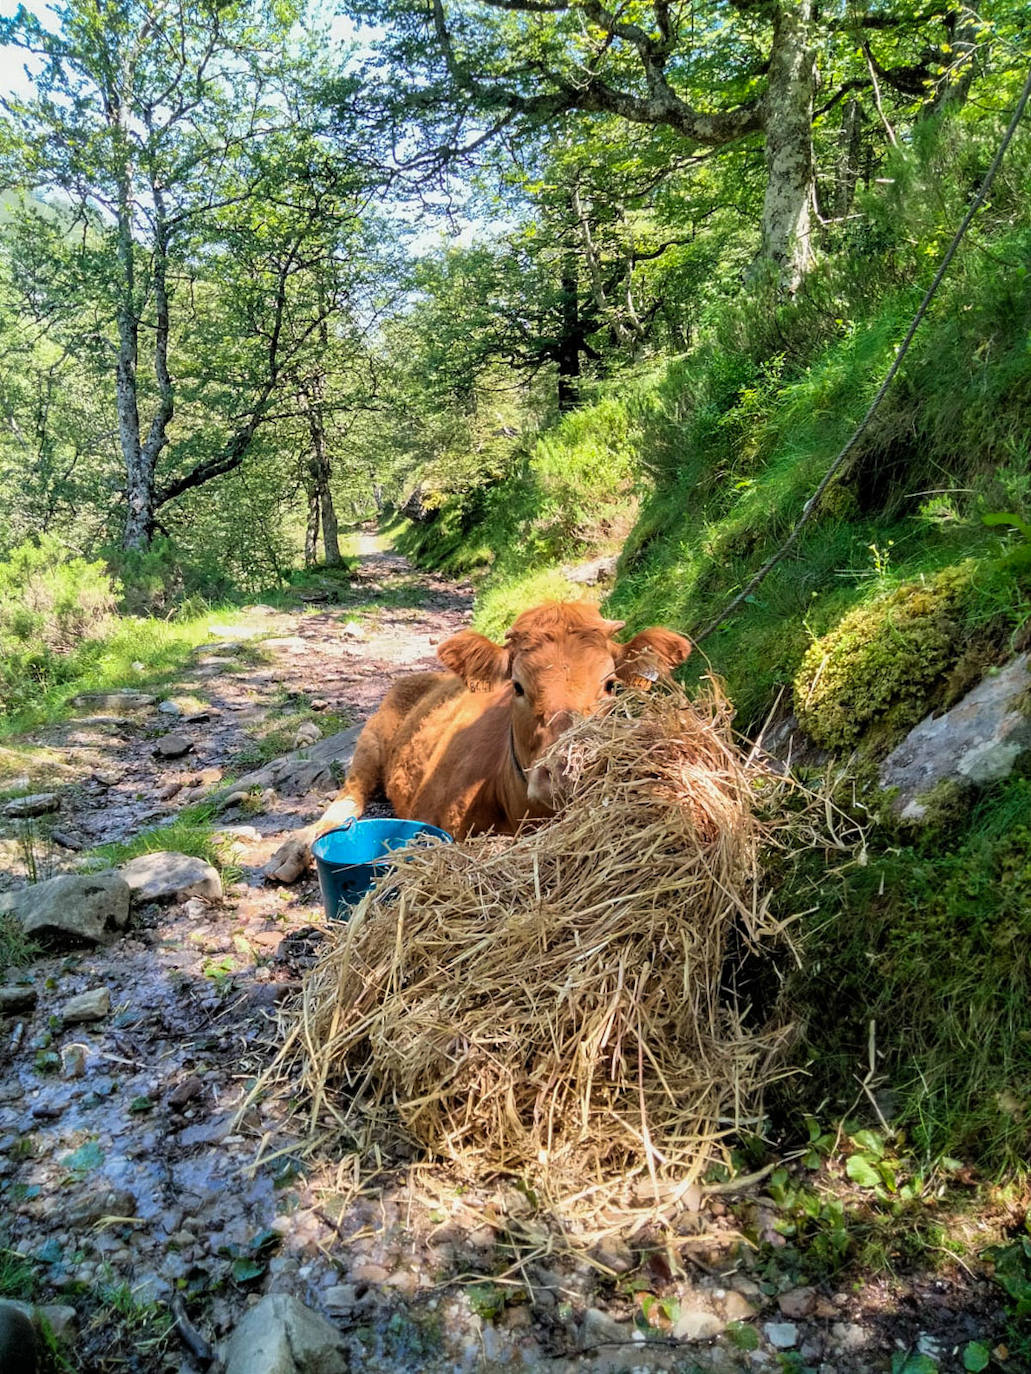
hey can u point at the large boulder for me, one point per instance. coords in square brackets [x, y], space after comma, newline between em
[601, 569]
[975, 743]
[317, 768]
[19, 1349]
[71, 908]
[168, 876]
[282, 1336]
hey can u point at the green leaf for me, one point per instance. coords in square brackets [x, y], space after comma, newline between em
[861, 1170]
[869, 1142]
[976, 1356]
[85, 1159]
[902, 1363]
[1008, 518]
[246, 1270]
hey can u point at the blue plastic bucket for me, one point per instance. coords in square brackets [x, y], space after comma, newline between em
[350, 859]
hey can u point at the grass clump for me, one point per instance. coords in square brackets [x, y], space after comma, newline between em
[191, 832]
[928, 940]
[17, 950]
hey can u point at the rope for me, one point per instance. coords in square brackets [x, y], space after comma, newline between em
[809, 509]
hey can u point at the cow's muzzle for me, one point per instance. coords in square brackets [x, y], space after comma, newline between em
[547, 784]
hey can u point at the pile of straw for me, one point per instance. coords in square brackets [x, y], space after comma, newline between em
[557, 1004]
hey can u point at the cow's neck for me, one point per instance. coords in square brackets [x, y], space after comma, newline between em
[513, 791]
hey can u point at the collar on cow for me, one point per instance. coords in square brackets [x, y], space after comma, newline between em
[512, 750]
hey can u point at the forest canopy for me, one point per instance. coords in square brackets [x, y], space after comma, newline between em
[252, 276]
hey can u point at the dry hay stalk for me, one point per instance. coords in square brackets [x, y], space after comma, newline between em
[557, 1004]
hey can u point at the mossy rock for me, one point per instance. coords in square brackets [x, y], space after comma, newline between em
[880, 664]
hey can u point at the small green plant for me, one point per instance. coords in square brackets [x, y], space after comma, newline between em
[905, 1362]
[487, 1300]
[1012, 1266]
[220, 972]
[36, 848]
[1019, 556]
[16, 948]
[17, 1276]
[881, 558]
[250, 1261]
[139, 1325]
[976, 1356]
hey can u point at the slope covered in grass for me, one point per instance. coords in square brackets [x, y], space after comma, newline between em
[912, 579]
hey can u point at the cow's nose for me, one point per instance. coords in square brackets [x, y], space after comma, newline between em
[560, 723]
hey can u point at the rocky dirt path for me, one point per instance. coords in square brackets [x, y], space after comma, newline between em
[131, 1202]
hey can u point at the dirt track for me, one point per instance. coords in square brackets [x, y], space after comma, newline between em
[129, 1186]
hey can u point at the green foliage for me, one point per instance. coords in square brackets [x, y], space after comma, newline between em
[1012, 1264]
[50, 602]
[52, 598]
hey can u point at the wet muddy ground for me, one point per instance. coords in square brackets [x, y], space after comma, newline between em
[131, 1197]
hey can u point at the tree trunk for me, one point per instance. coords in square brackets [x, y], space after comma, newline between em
[569, 342]
[962, 26]
[848, 159]
[139, 483]
[330, 528]
[141, 457]
[311, 531]
[787, 124]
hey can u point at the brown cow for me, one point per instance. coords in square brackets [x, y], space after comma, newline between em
[460, 749]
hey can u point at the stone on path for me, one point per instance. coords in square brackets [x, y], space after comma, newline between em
[696, 1324]
[281, 1336]
[18, 1345]
[798, 1302]
[781, 1335]
[92, 1005]
[71, 907]
[37, 805]
[16, 998]
[290, 644]
[293, 775]
[173, 746]
[238, 632]
[170, 708]
[166, 875]
[127, 700]
[977, 742]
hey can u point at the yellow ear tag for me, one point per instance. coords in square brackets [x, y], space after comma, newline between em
[645, 680]
[481, 685]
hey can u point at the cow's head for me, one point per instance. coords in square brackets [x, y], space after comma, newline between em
[562, 661]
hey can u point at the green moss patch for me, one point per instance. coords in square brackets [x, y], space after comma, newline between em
[882, 660]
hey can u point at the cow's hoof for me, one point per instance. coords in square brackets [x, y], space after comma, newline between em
[290, 862]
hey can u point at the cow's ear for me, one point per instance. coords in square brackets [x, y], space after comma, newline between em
[479, 662]
[650, 654]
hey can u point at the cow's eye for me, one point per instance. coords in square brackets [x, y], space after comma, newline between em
[517, 687]
[610, 686]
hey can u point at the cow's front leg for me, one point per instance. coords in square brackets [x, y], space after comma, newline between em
[365, 775]
[294, 857]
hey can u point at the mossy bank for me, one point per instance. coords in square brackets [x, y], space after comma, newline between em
[910, 581]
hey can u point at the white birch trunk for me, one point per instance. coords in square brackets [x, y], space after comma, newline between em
[787, 123]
